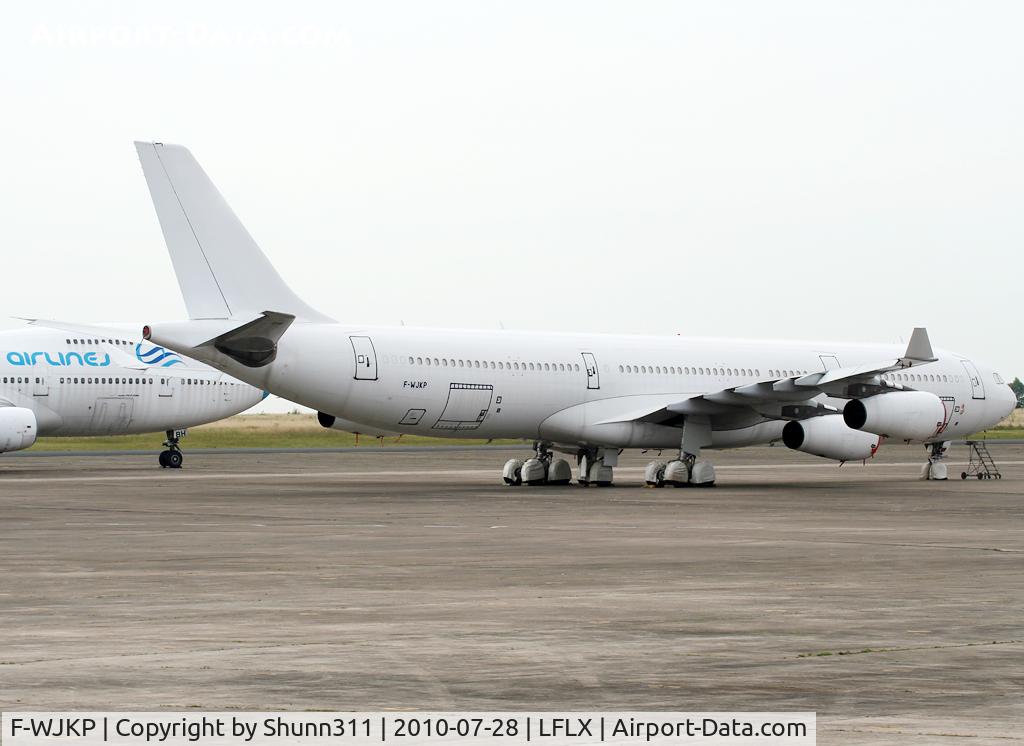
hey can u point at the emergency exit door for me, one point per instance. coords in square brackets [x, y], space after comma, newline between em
[365, 358]
[593, 377]
[977, 385]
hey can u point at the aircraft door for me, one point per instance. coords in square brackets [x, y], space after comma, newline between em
[977, 385]
[949, 404]
[593, 376]
[42, 386]
[829, 362]
[365, 358]
[111, 415]
[166, 387]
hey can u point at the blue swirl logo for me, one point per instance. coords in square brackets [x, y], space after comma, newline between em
[157, 356]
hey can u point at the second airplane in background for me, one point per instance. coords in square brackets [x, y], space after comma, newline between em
[80, 380]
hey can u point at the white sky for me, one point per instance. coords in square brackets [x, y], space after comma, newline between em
[828, 170]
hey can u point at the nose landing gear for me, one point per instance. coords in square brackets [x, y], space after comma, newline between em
[935, 469]
[172, 458]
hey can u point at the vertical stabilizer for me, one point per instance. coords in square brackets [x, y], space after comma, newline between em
[221, 271]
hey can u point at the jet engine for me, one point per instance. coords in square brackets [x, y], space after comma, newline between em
[829, 437]
[17, 428]
[905, 415]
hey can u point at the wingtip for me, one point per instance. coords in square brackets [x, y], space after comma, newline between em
[920, 346]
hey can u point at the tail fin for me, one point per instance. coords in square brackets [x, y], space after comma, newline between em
[221, 271]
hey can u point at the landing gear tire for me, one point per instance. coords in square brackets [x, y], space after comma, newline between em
[596, 466]
[559, 473]
[654, 474]
[600, 475]
[702, 474]
[933, 469]
[172, 458]
[512, 473]
[677, 474]
[534, 472]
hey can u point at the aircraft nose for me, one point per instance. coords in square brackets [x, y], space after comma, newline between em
[1009, 400]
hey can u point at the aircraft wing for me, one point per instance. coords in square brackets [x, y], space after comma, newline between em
[90, 330]
[790, 398]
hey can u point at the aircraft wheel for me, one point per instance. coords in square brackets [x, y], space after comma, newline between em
[981, 476]
[512, 472]
[963, 475]
[174, 459]
[163, 459]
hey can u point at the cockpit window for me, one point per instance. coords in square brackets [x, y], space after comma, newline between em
[998, 378]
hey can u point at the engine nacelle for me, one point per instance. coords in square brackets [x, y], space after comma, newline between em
[904, 415]
[18, 428]
[337, 423]
[829, 437]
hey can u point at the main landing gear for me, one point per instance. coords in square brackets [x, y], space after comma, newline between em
[688, 470]
[596, 466]
[685, 471]
[543, 468]
[172, 458]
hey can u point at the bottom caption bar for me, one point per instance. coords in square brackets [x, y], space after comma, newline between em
[406, 728]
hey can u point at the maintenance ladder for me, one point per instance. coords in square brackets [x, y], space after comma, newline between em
[981, 464]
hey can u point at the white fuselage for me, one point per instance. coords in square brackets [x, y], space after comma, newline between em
[111, 384]
[574, 389]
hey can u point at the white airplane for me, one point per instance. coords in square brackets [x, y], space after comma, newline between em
[85, 381]
[589, 395]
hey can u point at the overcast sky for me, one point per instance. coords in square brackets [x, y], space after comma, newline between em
[841, 171]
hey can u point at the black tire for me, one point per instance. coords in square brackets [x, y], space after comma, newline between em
[174, 459]
[981, 476]
[963, 475]
[163, 459]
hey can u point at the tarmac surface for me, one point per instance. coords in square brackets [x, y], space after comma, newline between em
[892, 607]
